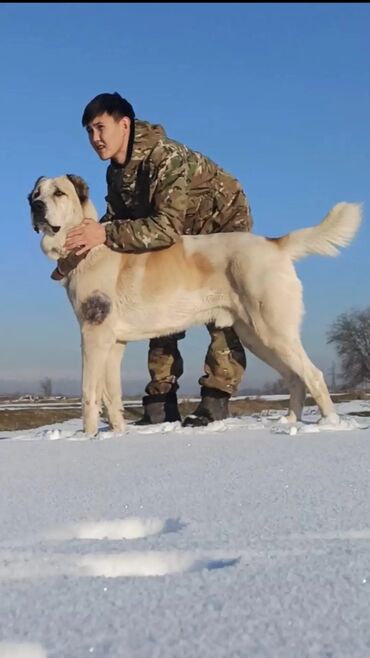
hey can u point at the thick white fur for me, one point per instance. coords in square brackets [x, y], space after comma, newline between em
[238, 279]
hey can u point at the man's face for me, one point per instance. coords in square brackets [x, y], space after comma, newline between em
[109, 137]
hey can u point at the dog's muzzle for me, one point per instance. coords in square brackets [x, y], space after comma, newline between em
[39, 221]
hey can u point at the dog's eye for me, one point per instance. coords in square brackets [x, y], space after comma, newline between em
[59, 193]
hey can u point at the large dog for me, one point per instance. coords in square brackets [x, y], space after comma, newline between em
[233, 279]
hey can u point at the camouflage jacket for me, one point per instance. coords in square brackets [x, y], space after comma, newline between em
[166, 190]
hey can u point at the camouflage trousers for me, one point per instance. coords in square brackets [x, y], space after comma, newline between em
[224, 365]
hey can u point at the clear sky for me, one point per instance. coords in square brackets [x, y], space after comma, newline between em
[277, 94]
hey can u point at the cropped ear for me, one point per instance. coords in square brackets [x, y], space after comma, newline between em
[40, 178]
[80, 186]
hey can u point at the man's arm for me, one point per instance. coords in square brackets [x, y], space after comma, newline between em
[163, 227]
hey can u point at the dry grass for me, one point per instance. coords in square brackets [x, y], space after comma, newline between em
[21, 419]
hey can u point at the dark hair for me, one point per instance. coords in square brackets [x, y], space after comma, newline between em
[112, 104]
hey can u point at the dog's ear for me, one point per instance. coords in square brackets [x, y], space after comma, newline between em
[80, 186]
[29, 197]
[37, 182]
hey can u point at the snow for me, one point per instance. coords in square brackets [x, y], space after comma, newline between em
[246, 538]
[13, 650]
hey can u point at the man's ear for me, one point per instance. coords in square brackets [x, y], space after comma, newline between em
[80, 186]
[126, 122]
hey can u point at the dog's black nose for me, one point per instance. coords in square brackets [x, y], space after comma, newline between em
[38, 210]
[38, 206]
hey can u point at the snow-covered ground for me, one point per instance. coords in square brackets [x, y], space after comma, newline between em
[243, 539]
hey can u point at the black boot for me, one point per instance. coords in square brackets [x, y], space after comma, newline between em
[160, 408]
[214, 405]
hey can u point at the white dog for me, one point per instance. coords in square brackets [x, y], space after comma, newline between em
[233, 279]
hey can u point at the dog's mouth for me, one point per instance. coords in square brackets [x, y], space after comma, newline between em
[44, 226]
[39, 221]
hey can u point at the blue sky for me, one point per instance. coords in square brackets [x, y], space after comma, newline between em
[277, 94]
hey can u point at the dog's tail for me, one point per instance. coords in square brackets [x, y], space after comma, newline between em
[337, 229]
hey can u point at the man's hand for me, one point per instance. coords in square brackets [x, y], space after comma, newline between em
[84, 237]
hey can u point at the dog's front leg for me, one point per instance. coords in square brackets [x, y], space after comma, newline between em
[112, 395]
[96, 344]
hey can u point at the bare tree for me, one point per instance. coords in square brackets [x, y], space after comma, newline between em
[350, 333]
[46, 386]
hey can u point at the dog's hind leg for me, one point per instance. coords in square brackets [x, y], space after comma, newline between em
[290, 359]
[96, 345]
[296, 358]
[112, 394]
[296, 386]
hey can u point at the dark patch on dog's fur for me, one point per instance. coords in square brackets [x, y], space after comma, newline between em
[96, 308]
[80, 186]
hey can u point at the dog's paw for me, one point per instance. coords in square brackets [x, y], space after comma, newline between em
[288, 419]
[118, 428]
[331, 419]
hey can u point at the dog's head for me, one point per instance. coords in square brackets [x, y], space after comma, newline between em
[57, 205]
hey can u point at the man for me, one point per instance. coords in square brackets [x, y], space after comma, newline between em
[158, 190]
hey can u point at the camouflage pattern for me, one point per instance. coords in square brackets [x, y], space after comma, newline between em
[166, 190]
[165, 364]
[225, 361]
[224, 366]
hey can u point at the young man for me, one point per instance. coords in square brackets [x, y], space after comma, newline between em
[158, 190]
